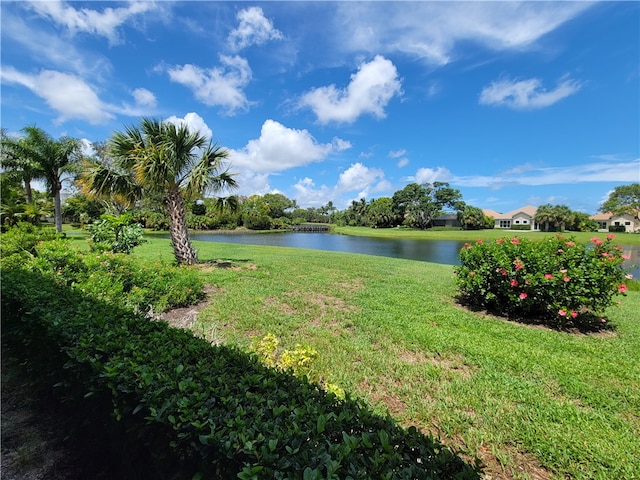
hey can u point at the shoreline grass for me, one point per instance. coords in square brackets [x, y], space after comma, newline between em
[473, 235]
[525, 399]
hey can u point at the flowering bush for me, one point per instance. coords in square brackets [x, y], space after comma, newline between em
[556, 281]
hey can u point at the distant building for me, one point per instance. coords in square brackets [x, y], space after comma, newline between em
[519, 218]
[605, 220]
[446, 220]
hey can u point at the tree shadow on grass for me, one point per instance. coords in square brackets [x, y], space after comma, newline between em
[590, 324]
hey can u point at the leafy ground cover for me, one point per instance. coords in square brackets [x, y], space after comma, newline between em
[529, 401]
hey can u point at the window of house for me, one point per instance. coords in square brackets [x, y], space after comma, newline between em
[627, 223]
[517, 222]
[617, 223]
[505, 223]
[603, 225]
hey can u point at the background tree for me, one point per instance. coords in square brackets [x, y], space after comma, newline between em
[624, 199]
[39, 156]
[472, 218]
[419, 204]
[554, 217]
[167, 159]
[380, 213]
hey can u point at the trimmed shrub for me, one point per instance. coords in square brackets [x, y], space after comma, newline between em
[175, 406]
[555, 281]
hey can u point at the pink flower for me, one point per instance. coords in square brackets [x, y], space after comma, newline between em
[480, 241]
[548, 276]
[473, 274]
[603, 320]
[523, 296]
[605, 254]
[503, 271]
[515, 241]
[611, 236]
[570, 244]
[467, 246]
[566, 279]
[622, 288]
[574, 314]
[514, 283]
[596, 241]
[562, 313]
[560, 250]
[564, 270]
[518, 265]
[500, 240]
[626, 257]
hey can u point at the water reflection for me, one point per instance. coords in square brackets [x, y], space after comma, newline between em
[435, 251]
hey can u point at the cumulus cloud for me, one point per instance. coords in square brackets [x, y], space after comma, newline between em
[526, 94]
[219, 86]
[358, 177]
[281, 148]
[431, 30]
[194, 122]
[430, 175]
[253, 29]
[144, 98]
[369, 91]
[67, 94]
[104, 23]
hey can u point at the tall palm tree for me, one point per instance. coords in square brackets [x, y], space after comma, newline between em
[545, 215]
[161, 158]
[39, 156]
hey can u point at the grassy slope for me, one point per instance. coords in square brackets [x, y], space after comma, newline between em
[389, 330]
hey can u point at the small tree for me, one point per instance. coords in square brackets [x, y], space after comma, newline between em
[624, 199]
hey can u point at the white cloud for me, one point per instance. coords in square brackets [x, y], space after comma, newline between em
[403, 162]
[219, 86]
[253, 29]
[194, 122]
[431, 30]
[397, 153]
[526, 94]
[370, 90]
[592, 172]
[430, 175]
[280, 148]
[144, 98]
[307, 195]
[68, 94]
[358, 177]
[104, 23]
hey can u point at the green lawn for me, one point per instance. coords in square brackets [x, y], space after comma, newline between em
[526, 400]
[473, 235]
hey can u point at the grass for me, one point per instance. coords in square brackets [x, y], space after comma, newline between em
[530, 402]
[473, 235]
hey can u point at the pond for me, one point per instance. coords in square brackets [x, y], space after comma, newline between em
[435, 251]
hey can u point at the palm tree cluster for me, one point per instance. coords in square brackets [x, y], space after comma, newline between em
[38, 156]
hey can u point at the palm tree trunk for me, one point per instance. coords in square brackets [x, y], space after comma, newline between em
[28, 193]
[57, 209]
[182, 248]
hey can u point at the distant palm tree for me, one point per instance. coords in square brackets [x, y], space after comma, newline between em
[161, 158]
[545, 215]
[38, 156]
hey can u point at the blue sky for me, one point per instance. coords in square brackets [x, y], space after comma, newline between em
[512, 103]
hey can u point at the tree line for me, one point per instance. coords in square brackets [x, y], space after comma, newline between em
[166, 177]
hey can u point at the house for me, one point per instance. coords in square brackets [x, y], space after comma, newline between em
[446, 220]
[605, 220]
[520, 218]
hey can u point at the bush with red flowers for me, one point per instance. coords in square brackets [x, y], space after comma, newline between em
[555, 281]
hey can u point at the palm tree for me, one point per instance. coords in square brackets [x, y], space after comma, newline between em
[545, 215]
[38, 156]
[162, 158]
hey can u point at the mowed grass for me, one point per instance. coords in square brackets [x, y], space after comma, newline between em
[530, 402]
[473, 235]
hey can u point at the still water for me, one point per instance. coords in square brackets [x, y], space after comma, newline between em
[436, 251]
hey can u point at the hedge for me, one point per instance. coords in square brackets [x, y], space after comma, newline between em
[177, 407]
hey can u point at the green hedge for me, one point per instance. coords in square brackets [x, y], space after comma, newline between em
[177, 407]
